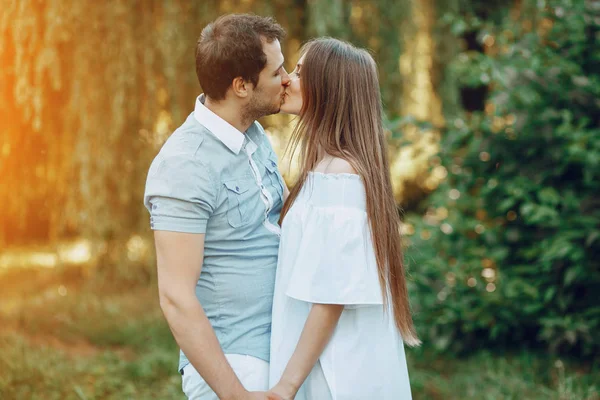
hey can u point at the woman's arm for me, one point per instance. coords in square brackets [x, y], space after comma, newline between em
[319, 327]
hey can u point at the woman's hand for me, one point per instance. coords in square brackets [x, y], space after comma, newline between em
[263, 396]
[285, 390]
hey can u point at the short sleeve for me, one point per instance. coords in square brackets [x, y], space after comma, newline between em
[180, 194]
[335, 262]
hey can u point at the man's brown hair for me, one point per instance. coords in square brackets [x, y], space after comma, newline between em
[231, 46]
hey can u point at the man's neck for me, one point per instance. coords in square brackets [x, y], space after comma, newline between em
[231, 114]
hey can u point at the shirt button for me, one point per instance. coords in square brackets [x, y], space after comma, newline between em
[273, 163]
[237, 188]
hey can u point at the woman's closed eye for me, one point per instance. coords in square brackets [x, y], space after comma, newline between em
[297, 70]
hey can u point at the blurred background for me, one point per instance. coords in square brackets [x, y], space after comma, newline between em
[493, 118]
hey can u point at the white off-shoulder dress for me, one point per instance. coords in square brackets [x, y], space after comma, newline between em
[326, 256]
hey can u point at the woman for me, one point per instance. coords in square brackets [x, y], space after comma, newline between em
[341, 306]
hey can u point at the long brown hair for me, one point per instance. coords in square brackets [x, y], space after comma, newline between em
[341, 116]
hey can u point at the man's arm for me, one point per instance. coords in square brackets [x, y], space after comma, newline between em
[319, 327]
[179, 259]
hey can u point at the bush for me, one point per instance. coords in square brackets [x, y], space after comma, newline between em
[507, 252]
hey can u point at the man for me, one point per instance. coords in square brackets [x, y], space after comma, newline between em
[214, 194]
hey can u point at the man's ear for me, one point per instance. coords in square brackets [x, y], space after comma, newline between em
[240, 87]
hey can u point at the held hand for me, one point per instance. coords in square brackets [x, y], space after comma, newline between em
[262, 396]
[284, 391]
[275, 396]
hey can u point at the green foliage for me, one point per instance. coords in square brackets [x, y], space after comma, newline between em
[508, 251]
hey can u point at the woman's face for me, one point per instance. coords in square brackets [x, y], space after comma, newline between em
[292, 99]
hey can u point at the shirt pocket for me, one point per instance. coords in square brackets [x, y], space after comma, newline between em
[274, 177]
[237, 202]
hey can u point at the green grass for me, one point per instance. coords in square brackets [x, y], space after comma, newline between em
[93, 343]
[492, 376]
[111, 342]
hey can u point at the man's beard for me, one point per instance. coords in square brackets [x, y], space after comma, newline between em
[258, 108]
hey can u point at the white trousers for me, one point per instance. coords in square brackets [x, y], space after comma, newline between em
[251, 371]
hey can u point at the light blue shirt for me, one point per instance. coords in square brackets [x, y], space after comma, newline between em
[210, 178]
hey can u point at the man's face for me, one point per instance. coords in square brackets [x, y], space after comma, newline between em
[267, 96]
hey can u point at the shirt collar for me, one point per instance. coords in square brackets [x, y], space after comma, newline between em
[223, 130]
